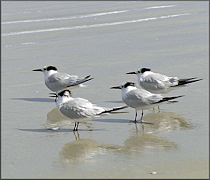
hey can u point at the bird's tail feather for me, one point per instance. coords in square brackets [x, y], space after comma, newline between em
[86, 77]
[187, 81]
[80, 82]
[168, 99]
[113, 110]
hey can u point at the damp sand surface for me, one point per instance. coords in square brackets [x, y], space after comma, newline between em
[104, 40]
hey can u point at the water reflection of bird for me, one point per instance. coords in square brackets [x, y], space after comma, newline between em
[146, 138]
[85, 150]
[82, 150]
[142, 142]
[165, 121]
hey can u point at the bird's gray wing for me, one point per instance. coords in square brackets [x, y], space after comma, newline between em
[78, 108]
[154, 80]
[159, 81]
[67, 80]
[136, 97]
[63, 77]
[154, 98]
[81, 80]
[141, 97]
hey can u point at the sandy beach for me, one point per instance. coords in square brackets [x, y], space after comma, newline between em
[105, 40]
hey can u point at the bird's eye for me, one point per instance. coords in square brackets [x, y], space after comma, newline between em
[66, 94]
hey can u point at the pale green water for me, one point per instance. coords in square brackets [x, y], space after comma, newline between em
[106, 40]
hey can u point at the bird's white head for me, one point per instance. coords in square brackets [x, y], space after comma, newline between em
[61, 97]
[139, 71]
[64, 94]
[47, 70]
[125, 87]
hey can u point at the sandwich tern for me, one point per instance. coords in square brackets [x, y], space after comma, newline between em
[56, 81]
[159, 83]
[79, 109]
[140, 99]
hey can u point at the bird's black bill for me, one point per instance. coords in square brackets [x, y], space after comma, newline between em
[116, 87]
[131, 73]
[36, 70]
[53, 95]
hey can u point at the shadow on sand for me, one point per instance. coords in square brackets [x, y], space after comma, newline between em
[57, 131]
[35, 99]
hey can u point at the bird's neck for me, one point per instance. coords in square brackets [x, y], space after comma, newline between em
[126, 90]
[143, 75]
[49, 73]
[60, 101]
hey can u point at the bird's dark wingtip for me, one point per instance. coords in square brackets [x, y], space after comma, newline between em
[168, 99]
[188, 81]
[86, 77]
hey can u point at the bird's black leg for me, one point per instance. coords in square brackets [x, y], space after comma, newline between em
[141, 116]
[75, 126]
[135, 117]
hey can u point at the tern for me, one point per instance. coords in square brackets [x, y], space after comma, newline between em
[56, 81]
[159, 83]
[79, 109]
[140, 99]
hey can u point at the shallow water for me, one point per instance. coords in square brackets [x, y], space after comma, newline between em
[105, 40]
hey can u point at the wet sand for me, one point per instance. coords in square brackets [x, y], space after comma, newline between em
[105, 40]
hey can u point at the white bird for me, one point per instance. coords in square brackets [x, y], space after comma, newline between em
[140, 99]
[159, 83]
[56, 81]
[79, 109]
